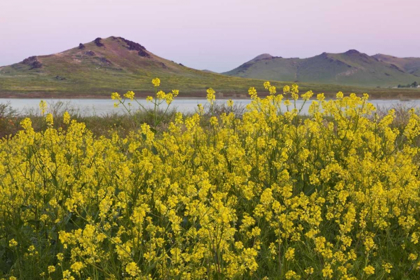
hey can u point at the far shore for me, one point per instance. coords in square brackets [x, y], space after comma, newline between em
[190, 95]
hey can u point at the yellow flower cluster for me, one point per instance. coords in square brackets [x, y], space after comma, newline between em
[211, 96]
[161, 97]
[156, 82]
[42, 107]
[268, 195]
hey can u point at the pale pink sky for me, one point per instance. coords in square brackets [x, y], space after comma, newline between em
[218, 35]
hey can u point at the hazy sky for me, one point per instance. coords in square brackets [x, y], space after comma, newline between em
[218, 35]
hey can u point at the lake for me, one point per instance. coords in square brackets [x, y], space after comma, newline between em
[105, 106]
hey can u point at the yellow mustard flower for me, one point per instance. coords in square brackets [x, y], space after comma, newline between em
[369, 270]
[156, 82]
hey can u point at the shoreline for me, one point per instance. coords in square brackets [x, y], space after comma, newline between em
[222, 94]
[103, 97]
[374, 94]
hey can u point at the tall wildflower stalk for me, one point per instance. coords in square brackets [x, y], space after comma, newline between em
[160, 98]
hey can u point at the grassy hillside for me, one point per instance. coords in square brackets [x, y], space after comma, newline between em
[105, 65]
[350, 68]
[409, 64]
[102, 66]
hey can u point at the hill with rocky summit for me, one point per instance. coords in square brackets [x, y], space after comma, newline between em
[351, 68]
[102, 66]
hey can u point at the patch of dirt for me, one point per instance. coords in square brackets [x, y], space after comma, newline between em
[349, 72]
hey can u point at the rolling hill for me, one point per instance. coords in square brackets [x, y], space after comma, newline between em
[351, 68]
[408, 64]
[106, 65]
[97, 68]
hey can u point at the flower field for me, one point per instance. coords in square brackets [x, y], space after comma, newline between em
[265, 195]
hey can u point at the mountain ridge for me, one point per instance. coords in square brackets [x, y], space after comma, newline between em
[352, 68]
[97, 68]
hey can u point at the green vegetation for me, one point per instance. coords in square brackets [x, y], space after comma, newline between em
[99, 125]
[258, 194]
[115, 64]
[412, 85]
[350, 68]
[408, 64]
[97, 70]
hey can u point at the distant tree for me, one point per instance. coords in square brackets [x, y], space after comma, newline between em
[415, 84]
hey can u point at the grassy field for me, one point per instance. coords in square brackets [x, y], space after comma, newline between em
[224, 193]
[226, 88]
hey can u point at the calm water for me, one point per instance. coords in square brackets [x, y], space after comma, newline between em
[105, 106]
